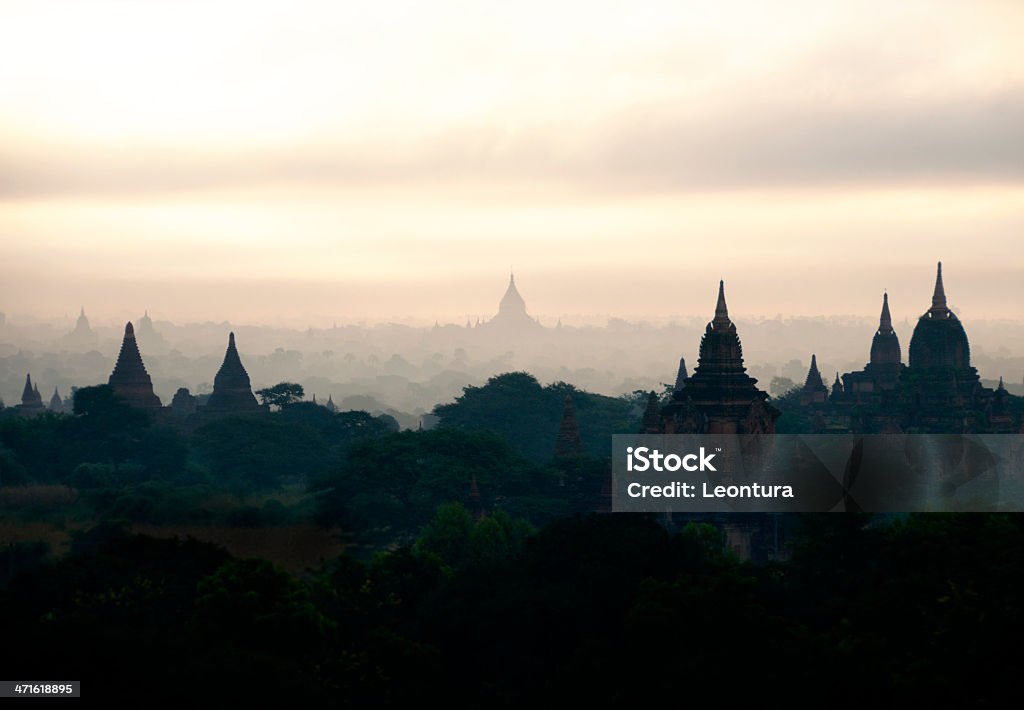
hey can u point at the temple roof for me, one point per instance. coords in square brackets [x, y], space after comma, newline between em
[681, 376]
[939, 340]
[28, 392]
[129, 378]
[885, 345]
[512, 302]
[814, 383]
[232, 390]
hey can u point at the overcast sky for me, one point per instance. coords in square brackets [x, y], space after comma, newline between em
[309, 162]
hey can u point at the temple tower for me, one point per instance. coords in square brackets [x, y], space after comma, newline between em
[232, 391]
[129, 379]
[814, 391]
[941, 389]
[512, 315]
[31, 401]
[720, 397]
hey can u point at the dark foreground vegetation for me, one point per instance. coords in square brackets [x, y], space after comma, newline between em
[119, 567]
[592, 610]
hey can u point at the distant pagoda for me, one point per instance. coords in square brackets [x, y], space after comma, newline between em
[814, 391]
[720, 397]
[512, 315]
[31, 400]
[129, 379]
[232, 391]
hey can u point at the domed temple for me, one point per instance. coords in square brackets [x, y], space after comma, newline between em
[232, 391]
[937, 392]
[720, 397]
[512, 315]
[129, 379]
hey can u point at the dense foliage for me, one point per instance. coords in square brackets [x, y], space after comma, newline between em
[597, 610]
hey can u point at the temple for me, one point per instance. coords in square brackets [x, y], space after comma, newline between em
[719, 398]
[814, 391]
[938, 391]
[56, 402]
[512, 315]
[232, 391]
[82, 337]
[129, 379]
[31, 400]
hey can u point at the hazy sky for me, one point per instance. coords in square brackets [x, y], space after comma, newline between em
[310, 162]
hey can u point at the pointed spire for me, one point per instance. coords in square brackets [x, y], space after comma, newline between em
[568, 442]
[56, 403]
[939, 297]
[721, 311]
[26, 394]
[814, 381]
[837, 386]
[129, 379]
[681, 376]
[81, 313]
[232, 390]
[885, 320]
[1001, 385]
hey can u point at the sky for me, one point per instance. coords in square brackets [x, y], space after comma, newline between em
[319, 162]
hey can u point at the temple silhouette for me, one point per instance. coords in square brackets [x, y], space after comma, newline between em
[720, 397]
[512, 317]
[938, 391]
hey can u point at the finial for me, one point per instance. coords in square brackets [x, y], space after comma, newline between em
[939, 297]
[231, 339]
[885, 320]
[129, 330]
[721, 311]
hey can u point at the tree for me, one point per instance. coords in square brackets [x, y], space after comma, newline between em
[282, 394]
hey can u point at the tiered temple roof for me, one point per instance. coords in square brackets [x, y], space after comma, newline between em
[720, 397]
[129, 379]
[232, 391]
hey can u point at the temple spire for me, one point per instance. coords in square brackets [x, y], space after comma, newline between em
[681, 376]
[814, 381]
[939, 297]
[27, 393]
[885, 320]
[129, 379]
[232, 390]
[721, 311]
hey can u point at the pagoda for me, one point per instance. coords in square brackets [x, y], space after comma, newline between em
[512, 315]
[232, 391]
[941, 390]
[720, 397]
[814, 391]
[31, 400]
[129, 379]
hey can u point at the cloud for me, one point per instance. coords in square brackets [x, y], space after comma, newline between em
[666, 146]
